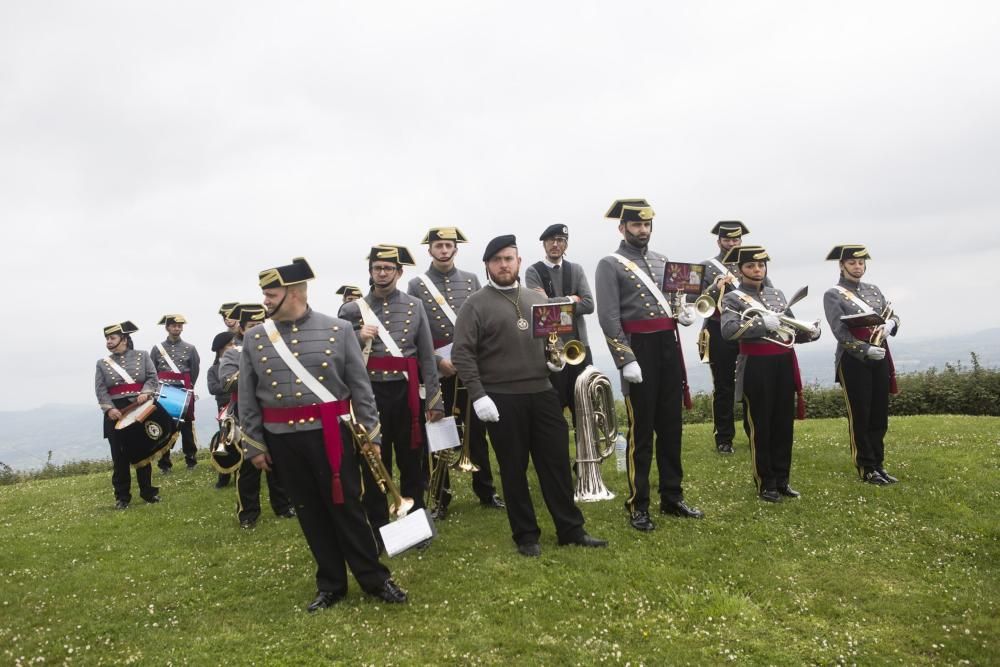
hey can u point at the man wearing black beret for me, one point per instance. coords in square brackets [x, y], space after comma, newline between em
[507, 373]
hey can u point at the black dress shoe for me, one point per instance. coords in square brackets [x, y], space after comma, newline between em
[222, 483]
[151, 499]
[121, 505]
[886, 476]
[680, 508]
[586, 540]
[788, 491]
[640, 521]
[439, 513]
[531, 549]
[247, 524]
[724, 448]
[324, 600]
[494, 502]
[191, 463]
[164, 470]
[390, 593]
[770, 496]
[873, 477]
[288, 513]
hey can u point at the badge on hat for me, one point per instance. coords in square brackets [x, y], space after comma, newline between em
[848, 251]
[554, 230]
[746, 253]
[730, 229]
[248, 312]
[618, 207]
[124, 328]
[226, 307]
[444, 234]
[297, 272]
[349, 290]
[387, 252]
[172, 319]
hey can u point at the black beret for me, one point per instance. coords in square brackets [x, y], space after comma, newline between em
[221, 340]
[498, 244]
[554, 230]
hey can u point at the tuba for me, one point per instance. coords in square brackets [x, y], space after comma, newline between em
[596, 432]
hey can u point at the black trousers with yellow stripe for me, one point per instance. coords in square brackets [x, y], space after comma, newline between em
[654, 408]
[866, 390]
[768, 417]
[722, 356]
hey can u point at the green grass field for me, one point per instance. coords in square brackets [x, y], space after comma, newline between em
[847, 574]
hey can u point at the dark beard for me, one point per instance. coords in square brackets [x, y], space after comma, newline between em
[635, 241]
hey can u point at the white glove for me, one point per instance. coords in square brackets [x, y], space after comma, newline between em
[889, 327]
[771, 321]
[632, 373]
[815, 331]
[876, 353]
[486, 409]
[553, 368]
[687, 315]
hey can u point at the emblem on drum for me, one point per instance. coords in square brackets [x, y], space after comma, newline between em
[153, 430]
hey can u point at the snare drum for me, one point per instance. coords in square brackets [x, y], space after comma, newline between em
[144, 431]
[176, 401]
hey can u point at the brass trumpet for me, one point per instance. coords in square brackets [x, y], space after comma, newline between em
[398, 506]
[705, 305]
[559, 354]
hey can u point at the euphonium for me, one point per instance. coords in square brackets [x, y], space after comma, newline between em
[398, 506]
[596, 432]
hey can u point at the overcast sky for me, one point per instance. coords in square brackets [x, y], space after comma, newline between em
[156, 156]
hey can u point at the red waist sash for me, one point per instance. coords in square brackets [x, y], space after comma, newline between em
[754, 348]
[649, 326]
[329, 416]
[179, 377]
[439, 343]
[409, 365]
[865, 334]
[119, 389]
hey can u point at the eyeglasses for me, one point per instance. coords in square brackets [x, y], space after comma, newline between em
[383, 269]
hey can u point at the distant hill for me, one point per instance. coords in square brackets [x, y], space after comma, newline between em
[73, 432]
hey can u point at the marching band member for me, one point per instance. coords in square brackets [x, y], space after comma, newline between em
[641, 330]
[863, 363]
[507, 375]
[443, 289]
[124, 377]
[393, 329]
[177, 363]
[248, 475]
[716, 279]
[555, 276]
[220, 344]
[767, 372]
[301, 374]
[349, 293]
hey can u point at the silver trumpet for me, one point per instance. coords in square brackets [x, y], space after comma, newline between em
[596, 432]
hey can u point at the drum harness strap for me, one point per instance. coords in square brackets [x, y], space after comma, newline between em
[439, 298]
[329, 410]
[121, 371]
[166, 357]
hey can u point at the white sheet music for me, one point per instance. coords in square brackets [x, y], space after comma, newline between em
[408, 531]
[442, 434]
[444, 352]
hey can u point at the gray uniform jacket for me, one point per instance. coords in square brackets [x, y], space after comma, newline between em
[405, 320]
[184, 356]
[455, 286]
[134, 362]
[578, 286]
[622, 297]
[215, 386]
[735, 327]
[229, 366]
[712, 272]
[328, 350]
[836, 304]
